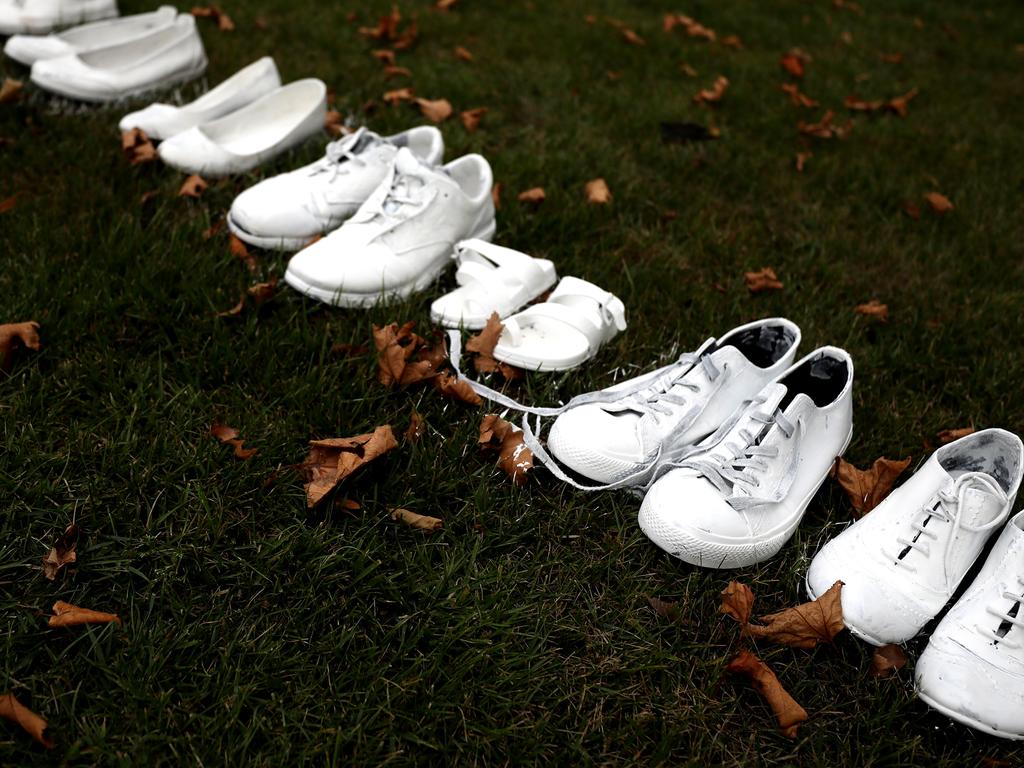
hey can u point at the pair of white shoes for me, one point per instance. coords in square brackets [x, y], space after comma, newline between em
[901, 564]
[37, 17]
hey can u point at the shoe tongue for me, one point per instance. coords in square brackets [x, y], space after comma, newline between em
[407, 164]
[980, 504]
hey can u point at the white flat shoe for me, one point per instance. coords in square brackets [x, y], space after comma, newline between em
[161, 58]
[28, 49]
[491, 279]
[161, 121]
[37, 17]
[250, 136]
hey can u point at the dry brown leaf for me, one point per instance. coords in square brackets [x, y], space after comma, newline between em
[535, 195]
[393, 71]
[10, 90]
[64, 552]
[331, 461]
[738, 602]
[513, 455]
[422, 522]
[938, 203]
[13, 710]
[732, 41]
[801, 160]
[714, 94]
[437, 110]
[688, 70]
[398, 95]
[867, 488]
[471, 118]
[334, 123]
[448, 385]
[481, 346]
[794, 63]
[400, 354]
[787, 712]
[763, 280]
[597, 192]
[949, 435]
[224, 22]
[496, 195]
[8, 203]
[666, 609]
[463, 53]
[417, 427]
[887, 660]
[241, 252]
[874, 308]
[824, 129]
[896, 105]
[137, 147]
[229, 436]
[385, 56]
[67, 615]
[194, 186]
[14, 337]
[796, 96]
[631, 37]
[891, 58]
[445, 5]
[805, 625]
[691, 27]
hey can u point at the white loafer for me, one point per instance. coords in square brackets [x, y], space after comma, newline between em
[241, 141]
[28, 49]
[402, 237]
[37, 17]
[288, 210]
[161, 121]
[163, 57]
[491, 279]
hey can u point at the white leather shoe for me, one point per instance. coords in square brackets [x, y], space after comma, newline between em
[739, 500]
[402, 237]
[28, 49]
[973, 667]
[241, 141]
[37, 17]
[654, 419]
[163, 57]
[161, 121]
[902, 562]
[288, 210]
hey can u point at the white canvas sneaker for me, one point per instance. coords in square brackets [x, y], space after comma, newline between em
[163, 57]
[402, 237]
[739, 500]
[287, 211]
[973, 667]
[28, 49]
[902, 562]
[37, 17]
[651, 420]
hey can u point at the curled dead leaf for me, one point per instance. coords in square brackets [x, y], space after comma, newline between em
[63, 553]
[805, 625]
[8, 203]
[949, 435]
[334, 123]
[241, 252]
[714, 94]
[229, 436]
[597, 192]
[398, 95]
[874, 308]
[514, 457]
[10, 90]
[763, 280]
[395, 71]
[471, 118]
[534, 195]
[787, 712]
[887, 661]
[449, 385]
[67, 615]
[445, 5]
[422, 522]
[403, 357]
[824, 129]
[14, 337]
[13, 710]
[137, 147]
[666, 609]
[732, 41]
[194, 186]
[331, 461]
[868, 488]
[437, 110]
[801, 160]
[896, 105]
[463, 53]
[214, 12]
[481, 346]
[794, 63]
[691, 27]
[385, 56]
[938, 203]
[417, 427]
[797, 97]
[631, 37]
[738, 601]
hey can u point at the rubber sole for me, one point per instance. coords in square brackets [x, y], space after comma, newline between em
[292, 244]
[171, 81]
[965, 720]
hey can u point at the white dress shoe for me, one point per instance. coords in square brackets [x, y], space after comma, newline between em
[902, 562]
[402, 237]
[736, 502]
[161, 121]
[37, 17]
[973, 667]
[28, 49]
[163, 57]
[288, 210]
[239, 142]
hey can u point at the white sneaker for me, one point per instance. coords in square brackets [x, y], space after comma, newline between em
[162, 121]
[28, 49]
[37, 17]
[287, 211]
[163, 57]
[402, 237]
[661, 415]
[901, 563]
[973, 667]
[260, 131]
[739, 500]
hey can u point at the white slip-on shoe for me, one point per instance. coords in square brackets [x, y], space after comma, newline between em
[38, 17]
[973, 667]
[739, 500]
[28, 49]
[902, 562]
[260, 131]
[401, 238]
[491, 279]
[286, 211]
[161, 121]
[652, 420]
[162, 57]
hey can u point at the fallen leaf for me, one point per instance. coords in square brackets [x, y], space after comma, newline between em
[805, 625]
[397, 95]
[416, 427]
[8, 203]
[463, 53]
[514, 457]
[137, 147]
[684, 133]
[666, 609]
[12, 709]
[688, 70]
[496, 195]
[67, 615]
[445, 5]
[229, 436]
[738, 602]
[481, 346]
[874, 308]
[796, 96]
[691, 27]
[334, 123]
[891, 58]
[631, 37]
[896, 105]
[399, 362]
[713, 94]
[393, 71]
[224, 22]
[938, 203]
[787, 712]
[535, 195]
[214, 228]
[794, 63]
[471, 118]
[422, 522]
[194, 186]
[385, 56]
[823, 129]
[763, 280]
[949, 435]
[801, 160]
[597, 192]
[331, 461]
[241, 252]
[448, 385]
[436, 111]
[10, 90]
[14, 337]
[867, 488]
[887, 661]
[732, 41]
[64, 552]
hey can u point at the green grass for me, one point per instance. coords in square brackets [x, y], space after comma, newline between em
[258, 632]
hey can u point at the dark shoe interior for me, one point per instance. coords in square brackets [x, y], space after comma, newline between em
[990, 452]
[822, 378]
[763, 345]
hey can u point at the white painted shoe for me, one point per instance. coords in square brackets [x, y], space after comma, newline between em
[38, 17]
[162, 121]
[973, 667]
[402, 237]
[28, 49]
[901, 563]
[162, 57]
[739, 500]
[652, 420]
[248, 137]
[286, 211]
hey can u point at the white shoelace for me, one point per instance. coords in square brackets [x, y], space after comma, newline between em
[1007, 619]
[342, 152]
[658, 397]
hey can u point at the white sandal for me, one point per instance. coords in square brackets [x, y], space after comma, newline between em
[491, 279]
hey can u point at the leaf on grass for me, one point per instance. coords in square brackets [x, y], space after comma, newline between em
[67, 615]
[422, 522]
[471, 118]
[867, 488]
[448, 385]
[887, 661]
[31, 723]
[384, 56]
[805, 625]
[8, 203]
[597, 192]
[714, 94]
[763, 280]
[796, 96]
[416, 427]
[445, 5]
[394, 71]
[732, 41]
[874, 308]
[14, 337]
[535, 195]
[666, 609]
[912, 209]
[949, 435]
[334, 123]
[224, 22]
[787, 712]
[496, 195]
[229, 436]
[631, 36]
[10, 90]
[437, 110]
[137, 147]
[938, 203]
[824, 129]
[463, 53]
[738, 602]
[398, 95]
[514, 457]
[64, 552]
[194, 186]
[794, 63]
[241, 252]
[891, 58]
[896, 105]
[331, 461]
[801, 160]
[388, 30]
[684, 133]
[403, 357]
[481, 346]
[691, 27]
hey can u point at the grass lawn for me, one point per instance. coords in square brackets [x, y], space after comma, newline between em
[258, 632]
